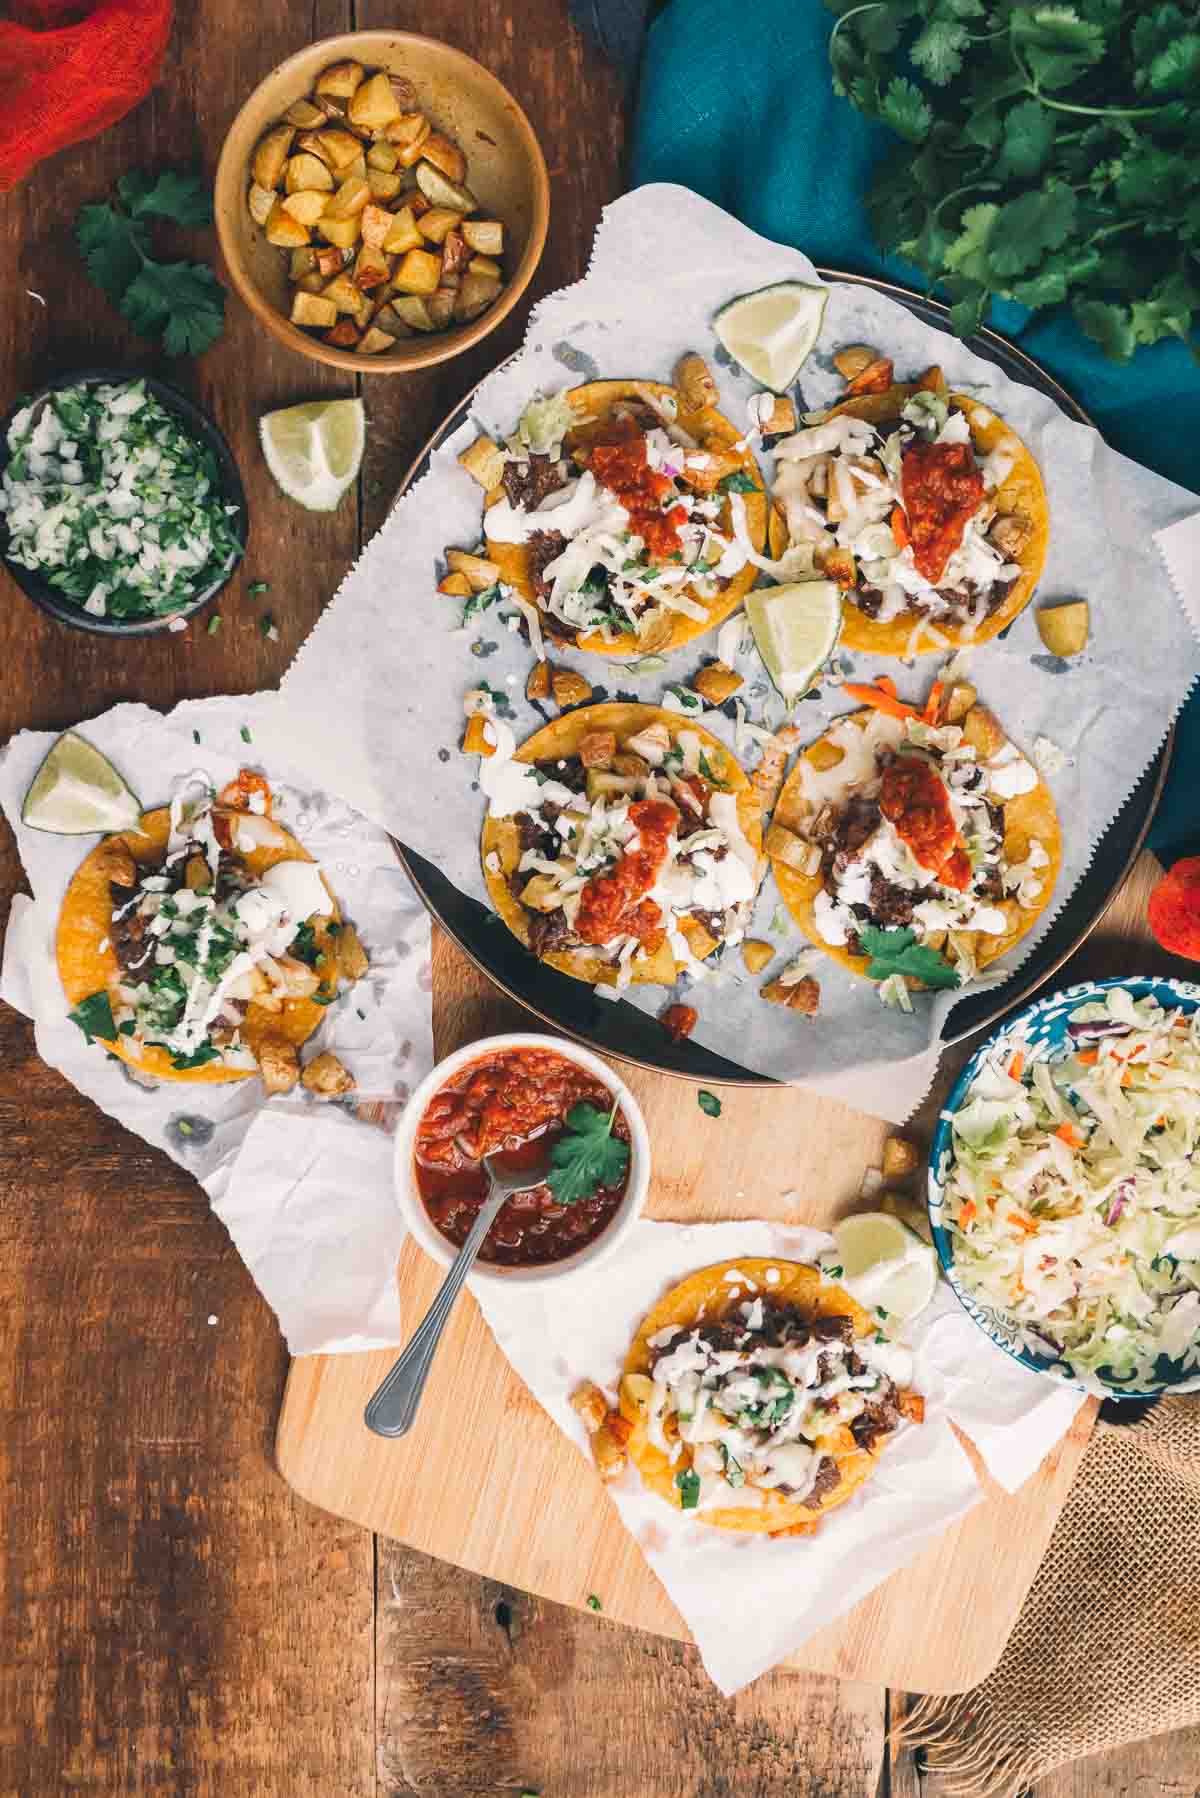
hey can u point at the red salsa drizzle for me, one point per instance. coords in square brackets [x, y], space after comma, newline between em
[623, 469]
[486, 1108]
[941, 487]
[609, 904]
[914, 800]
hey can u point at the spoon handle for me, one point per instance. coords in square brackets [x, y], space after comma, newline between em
[392, 1408]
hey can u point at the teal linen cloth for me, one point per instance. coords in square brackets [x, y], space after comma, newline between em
[735, 101]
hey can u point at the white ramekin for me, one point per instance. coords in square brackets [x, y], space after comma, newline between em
[487, 1273]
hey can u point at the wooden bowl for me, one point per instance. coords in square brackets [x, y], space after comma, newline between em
[505, 169]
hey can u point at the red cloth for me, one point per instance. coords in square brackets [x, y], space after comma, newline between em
[70, 70]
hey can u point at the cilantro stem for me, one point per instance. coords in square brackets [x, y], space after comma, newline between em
[872, 6]
[1090, 112]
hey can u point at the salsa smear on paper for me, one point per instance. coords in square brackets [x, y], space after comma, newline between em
[486, 1108]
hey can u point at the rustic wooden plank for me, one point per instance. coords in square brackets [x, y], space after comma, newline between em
[482, 1689]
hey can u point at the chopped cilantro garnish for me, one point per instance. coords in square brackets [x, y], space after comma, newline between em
[708, 1103]
[833, 1273]
[898, 952]
[195, 736]
[198, 1057]
[734, 1472]
[587, 1156]
[244, 733]
[94, 1017]
[881, 1313]
[593, 1602]
[479, 602]
[304, 946]
[709, 772]
[183, 1127]
[737, 482]
[214, 624]
[259, 587]
[688, 1483]
[266, 625]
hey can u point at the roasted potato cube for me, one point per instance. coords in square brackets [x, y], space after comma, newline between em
[856, 357]
[958, 702]
[439, 189]
[382, 186]
[351, 957]
[350, 199]
[285, 231]
[446, 156]
[310, 283]
[441, 306]
[694, 382]
[328, 261]
[912, 1406]
[419, 272]
[983, 732]
[371, 269]
[569, 688]
[342, 79]
[609, 1454]
[484, 235]
[933, 380]
[313, 309]
[375, 341]
[1010, 533]
[541, 893]
[591, 1404]
[875, 378]
[597, 748]
[342, 232]
[374, 104]
[475, 296]
[839, 566]
[344, 294]
[651, 743]
[306, 206]
[196, 873]
[259, 202]
[412, 312]
[803, 996]
[699, 939]
[636, 1389]
[624, 762]
[271, 155]
[326, 1077]
[1064, 629]
[456, 585]
[409, 128]
[402, 233]
[537, 681]
[304, 115]
[333, 146]
[304, 261]
[785, 846]
[756, 954]
[437, 223]
[305, 172]
[479, 571]
[484, 461]
[781, 419]
[344, 334]
[456, 254]
[900, 1158]
[716, 683]
[279, 1064]
[602, 783]
[475, 738]
[357, 169]
[382, 156]
[408, 154]
[484, 265]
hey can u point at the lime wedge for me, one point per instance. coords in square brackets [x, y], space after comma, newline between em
[795, 629]
[77, 792]
[885, 1266]
[315, 451]
[770, 332]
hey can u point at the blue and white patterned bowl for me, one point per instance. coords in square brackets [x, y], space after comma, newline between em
[1042, 1025]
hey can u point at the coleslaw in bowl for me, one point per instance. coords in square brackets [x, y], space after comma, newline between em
[1064, 1187]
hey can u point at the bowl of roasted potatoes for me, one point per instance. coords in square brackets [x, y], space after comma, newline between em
[381, 201]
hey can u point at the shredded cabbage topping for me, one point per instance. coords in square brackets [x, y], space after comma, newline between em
[1073, 1199]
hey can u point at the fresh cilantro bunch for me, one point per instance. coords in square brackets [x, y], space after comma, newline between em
[898, 952]
[1055, 154]
[181, 302]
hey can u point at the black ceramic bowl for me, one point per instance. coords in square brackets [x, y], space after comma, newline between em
[47, 597]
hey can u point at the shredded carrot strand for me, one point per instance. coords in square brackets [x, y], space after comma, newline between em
[1023, 1223]
[1089, 1057]
[966, 1216]
[880, 701]
[1016, 1066]
[1069, 1134]
[934, 702]
[887, 683]
[900, 528]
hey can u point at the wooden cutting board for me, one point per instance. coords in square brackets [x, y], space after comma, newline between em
[485, 1479]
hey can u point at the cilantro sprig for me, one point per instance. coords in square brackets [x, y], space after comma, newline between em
[1053, 160]
[181, 302]
[94, 1017]
[587, 1155]
[898, 952]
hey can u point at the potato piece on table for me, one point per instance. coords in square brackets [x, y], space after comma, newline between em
[285, 231]
[419, 272]
[402, 233]
[313, 309]
[306, 172]
[756, 954]
[351, 956]
[271, 155]
[694, 381]
[478, 569]
[537, 681]
[475, 296]
[306, 206]
[1064, 629]
[591, 1405]
[484, 235]
[717, 682]
[374, 104]
[457, 586]
[259, 202]
[341, 79]
[900, 1158]
[475, 740]
[958, 702]
[856, 357]
[326, 1078]
[803, 995]
[569, 688]
[279, 1064]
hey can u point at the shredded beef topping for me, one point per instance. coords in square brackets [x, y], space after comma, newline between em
[827, 1480]
[128, 936]
[568, 771]
[875, 1420]
[529, 482]
[548, 930]
[544, 547]
[536, 831]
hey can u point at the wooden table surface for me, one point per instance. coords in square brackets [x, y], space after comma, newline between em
[174, 1620]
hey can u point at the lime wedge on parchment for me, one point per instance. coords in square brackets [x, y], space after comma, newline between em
[885, 1265]
[795, 628]
[770, 332]
[77, 792]
[315, 451]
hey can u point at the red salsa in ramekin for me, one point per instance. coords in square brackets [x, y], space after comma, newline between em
[487, 1108]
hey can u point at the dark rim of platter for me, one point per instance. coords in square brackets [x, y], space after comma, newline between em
[47, 597]
[631, 1036]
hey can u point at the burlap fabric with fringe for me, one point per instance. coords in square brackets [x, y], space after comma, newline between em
[1107, 1647]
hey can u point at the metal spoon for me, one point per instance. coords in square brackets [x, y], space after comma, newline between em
[392, 1408]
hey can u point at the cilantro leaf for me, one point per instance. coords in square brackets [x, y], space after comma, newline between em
[197, 1059]
[114, 247]
[709, 1103]
[1028, 134]
[1111, 327]
[304, 946]
[171, 195]
[1055, 44]
[968, 254]
[479, 602]
[587, 1155]
[905, 108]
[898, 952]
[1025, 229]
[938, 50]
[688, 1483]
[94, 1017]
[737, 482]
[181, 302]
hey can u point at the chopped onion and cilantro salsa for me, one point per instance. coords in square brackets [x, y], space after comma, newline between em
[1074, 1197]
[114, 502]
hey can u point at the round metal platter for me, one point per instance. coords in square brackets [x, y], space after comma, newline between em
[627, 1034]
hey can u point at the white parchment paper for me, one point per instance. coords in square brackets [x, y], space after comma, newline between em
[375, 695]
[750, 1601]
[321, 1241]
